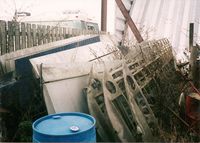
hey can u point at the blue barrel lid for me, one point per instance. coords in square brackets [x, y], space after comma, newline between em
[63, 124]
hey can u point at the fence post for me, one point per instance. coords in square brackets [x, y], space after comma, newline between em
[60, 33]
[34, 35]
[53, 33]
[10, 37]
[3, 35]
[56, 33]
[23, 31]
[29, 37]
[39, 37]
[48, 34]
[17, 36]
[64, 33]
[44, 34]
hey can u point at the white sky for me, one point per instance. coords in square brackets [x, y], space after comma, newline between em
[50, 8]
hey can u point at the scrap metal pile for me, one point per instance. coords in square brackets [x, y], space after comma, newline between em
[122, 98]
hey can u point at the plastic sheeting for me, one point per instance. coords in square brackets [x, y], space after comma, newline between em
[164, 19]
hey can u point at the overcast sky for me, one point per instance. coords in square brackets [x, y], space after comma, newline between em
[47, 8]
[39, 7]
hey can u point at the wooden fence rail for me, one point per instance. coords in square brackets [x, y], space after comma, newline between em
[15, 36]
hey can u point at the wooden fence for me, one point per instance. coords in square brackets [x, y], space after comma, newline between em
[15, 36]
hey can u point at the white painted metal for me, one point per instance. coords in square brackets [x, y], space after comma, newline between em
[63, 85]
[8, 60]
[66, 73]
[80, 54]
[163, 19]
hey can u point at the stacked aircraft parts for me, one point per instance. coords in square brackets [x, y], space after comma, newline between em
[122, 97]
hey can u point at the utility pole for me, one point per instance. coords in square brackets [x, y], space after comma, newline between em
[191, 34]
[104, 15]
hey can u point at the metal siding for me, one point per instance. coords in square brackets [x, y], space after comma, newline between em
[166, 18]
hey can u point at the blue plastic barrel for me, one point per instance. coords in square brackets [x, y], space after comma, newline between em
[65, 127]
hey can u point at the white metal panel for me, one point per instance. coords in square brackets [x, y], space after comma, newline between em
[79, 54]
[8, 60]
[65, 95]
[64, 84]
[66, 73]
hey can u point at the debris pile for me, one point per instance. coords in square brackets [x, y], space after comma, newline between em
[123, 98]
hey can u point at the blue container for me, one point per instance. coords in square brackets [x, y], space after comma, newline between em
[65, 127]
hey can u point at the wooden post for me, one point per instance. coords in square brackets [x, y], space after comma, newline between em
[193, 57]
[29, 37]
[10, 37]
[191, 34]
[194, 65]
[51, 33]
[44, 34]
[39, 37]
[56, 33]
[34, 35]
[23, 36]
[60, 33]
[17, 36]
[48, 34]
[64, 33]
[3, 35]
[103, 15]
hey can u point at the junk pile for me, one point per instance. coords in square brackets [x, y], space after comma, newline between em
[132, 91]
[122, 98]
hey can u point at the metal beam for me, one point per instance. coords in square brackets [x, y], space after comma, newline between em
[129, 21]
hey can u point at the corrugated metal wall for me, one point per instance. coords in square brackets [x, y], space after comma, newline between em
[163, 18]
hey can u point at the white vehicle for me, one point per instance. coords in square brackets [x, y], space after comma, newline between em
[69, 19]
